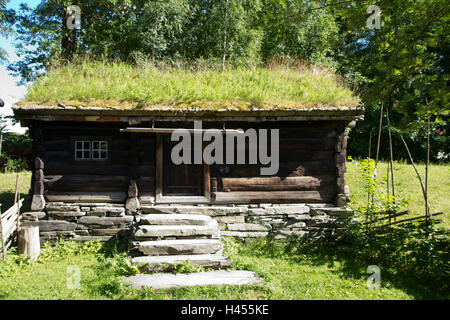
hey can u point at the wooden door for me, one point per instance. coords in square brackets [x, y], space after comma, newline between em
[183, 179]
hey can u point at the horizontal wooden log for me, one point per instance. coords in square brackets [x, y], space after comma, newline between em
[118, 197]
[146, 184]
[322, 196]
[56, 145]
[276, 183]
[286, 169]
[86, 183]
[146, 170]
[58, 168]
[60, 155]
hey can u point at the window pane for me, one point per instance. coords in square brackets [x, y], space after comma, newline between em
[95, 144]
[79, 155]
[86, 145]
[103, 155]
[79, 145]
[95, 154]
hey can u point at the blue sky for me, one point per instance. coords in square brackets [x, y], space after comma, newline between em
[9, 91]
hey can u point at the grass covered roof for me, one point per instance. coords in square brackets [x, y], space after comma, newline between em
[124, 87]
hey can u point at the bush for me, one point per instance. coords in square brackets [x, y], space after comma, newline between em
[15, 165]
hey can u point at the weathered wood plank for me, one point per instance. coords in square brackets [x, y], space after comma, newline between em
[276, 183]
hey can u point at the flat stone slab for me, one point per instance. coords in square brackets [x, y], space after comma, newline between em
[174, 219]
[212, 278]
[155, 231]
[176, 247]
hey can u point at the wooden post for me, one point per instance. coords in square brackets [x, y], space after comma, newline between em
[340, 159]
[133, 203]
[38, 201]
[28, 242]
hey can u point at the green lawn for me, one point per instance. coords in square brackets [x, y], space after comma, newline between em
[285, 277]
[8, 186]
[407, 185]
[288, 274]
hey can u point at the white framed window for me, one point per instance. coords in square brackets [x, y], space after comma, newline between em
[91, 149]
[99, 150]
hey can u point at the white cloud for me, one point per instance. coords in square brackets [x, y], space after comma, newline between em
[10, 93]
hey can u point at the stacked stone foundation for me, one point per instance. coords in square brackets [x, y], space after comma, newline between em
[106, 221]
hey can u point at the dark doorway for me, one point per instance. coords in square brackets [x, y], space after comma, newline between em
[183, 179]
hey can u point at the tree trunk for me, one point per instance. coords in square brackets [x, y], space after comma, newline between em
[28, 242]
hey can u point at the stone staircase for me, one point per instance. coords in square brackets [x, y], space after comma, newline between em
[161, 241]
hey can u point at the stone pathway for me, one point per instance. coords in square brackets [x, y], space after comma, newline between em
[168, 281]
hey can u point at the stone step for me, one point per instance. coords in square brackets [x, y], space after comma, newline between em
[166, 263]
[174, 219]
[178, 247]
[210, 230]
[167, 280]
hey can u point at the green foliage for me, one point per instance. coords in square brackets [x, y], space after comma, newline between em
[15, 165]
[16, 143]
[379, 201]
[187, 267]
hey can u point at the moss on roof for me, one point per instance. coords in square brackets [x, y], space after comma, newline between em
[96, 84]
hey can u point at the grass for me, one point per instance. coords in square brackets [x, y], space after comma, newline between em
[286, 276]
[407, 186]
[118, 84]
[8, 186]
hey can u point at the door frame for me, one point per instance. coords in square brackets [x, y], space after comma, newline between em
[160, 198]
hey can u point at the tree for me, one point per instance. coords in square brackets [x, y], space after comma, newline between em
[6, 21]
[296, 29]
[404, 64]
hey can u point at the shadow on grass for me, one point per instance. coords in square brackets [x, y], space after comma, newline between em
[348, 266]
[7, 201]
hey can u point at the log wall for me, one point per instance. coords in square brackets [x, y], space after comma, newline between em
[311, 165]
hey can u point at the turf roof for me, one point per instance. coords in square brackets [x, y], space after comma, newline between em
[126, 88]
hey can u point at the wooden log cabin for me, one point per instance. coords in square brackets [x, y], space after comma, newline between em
[96, 155]
[112, 163]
